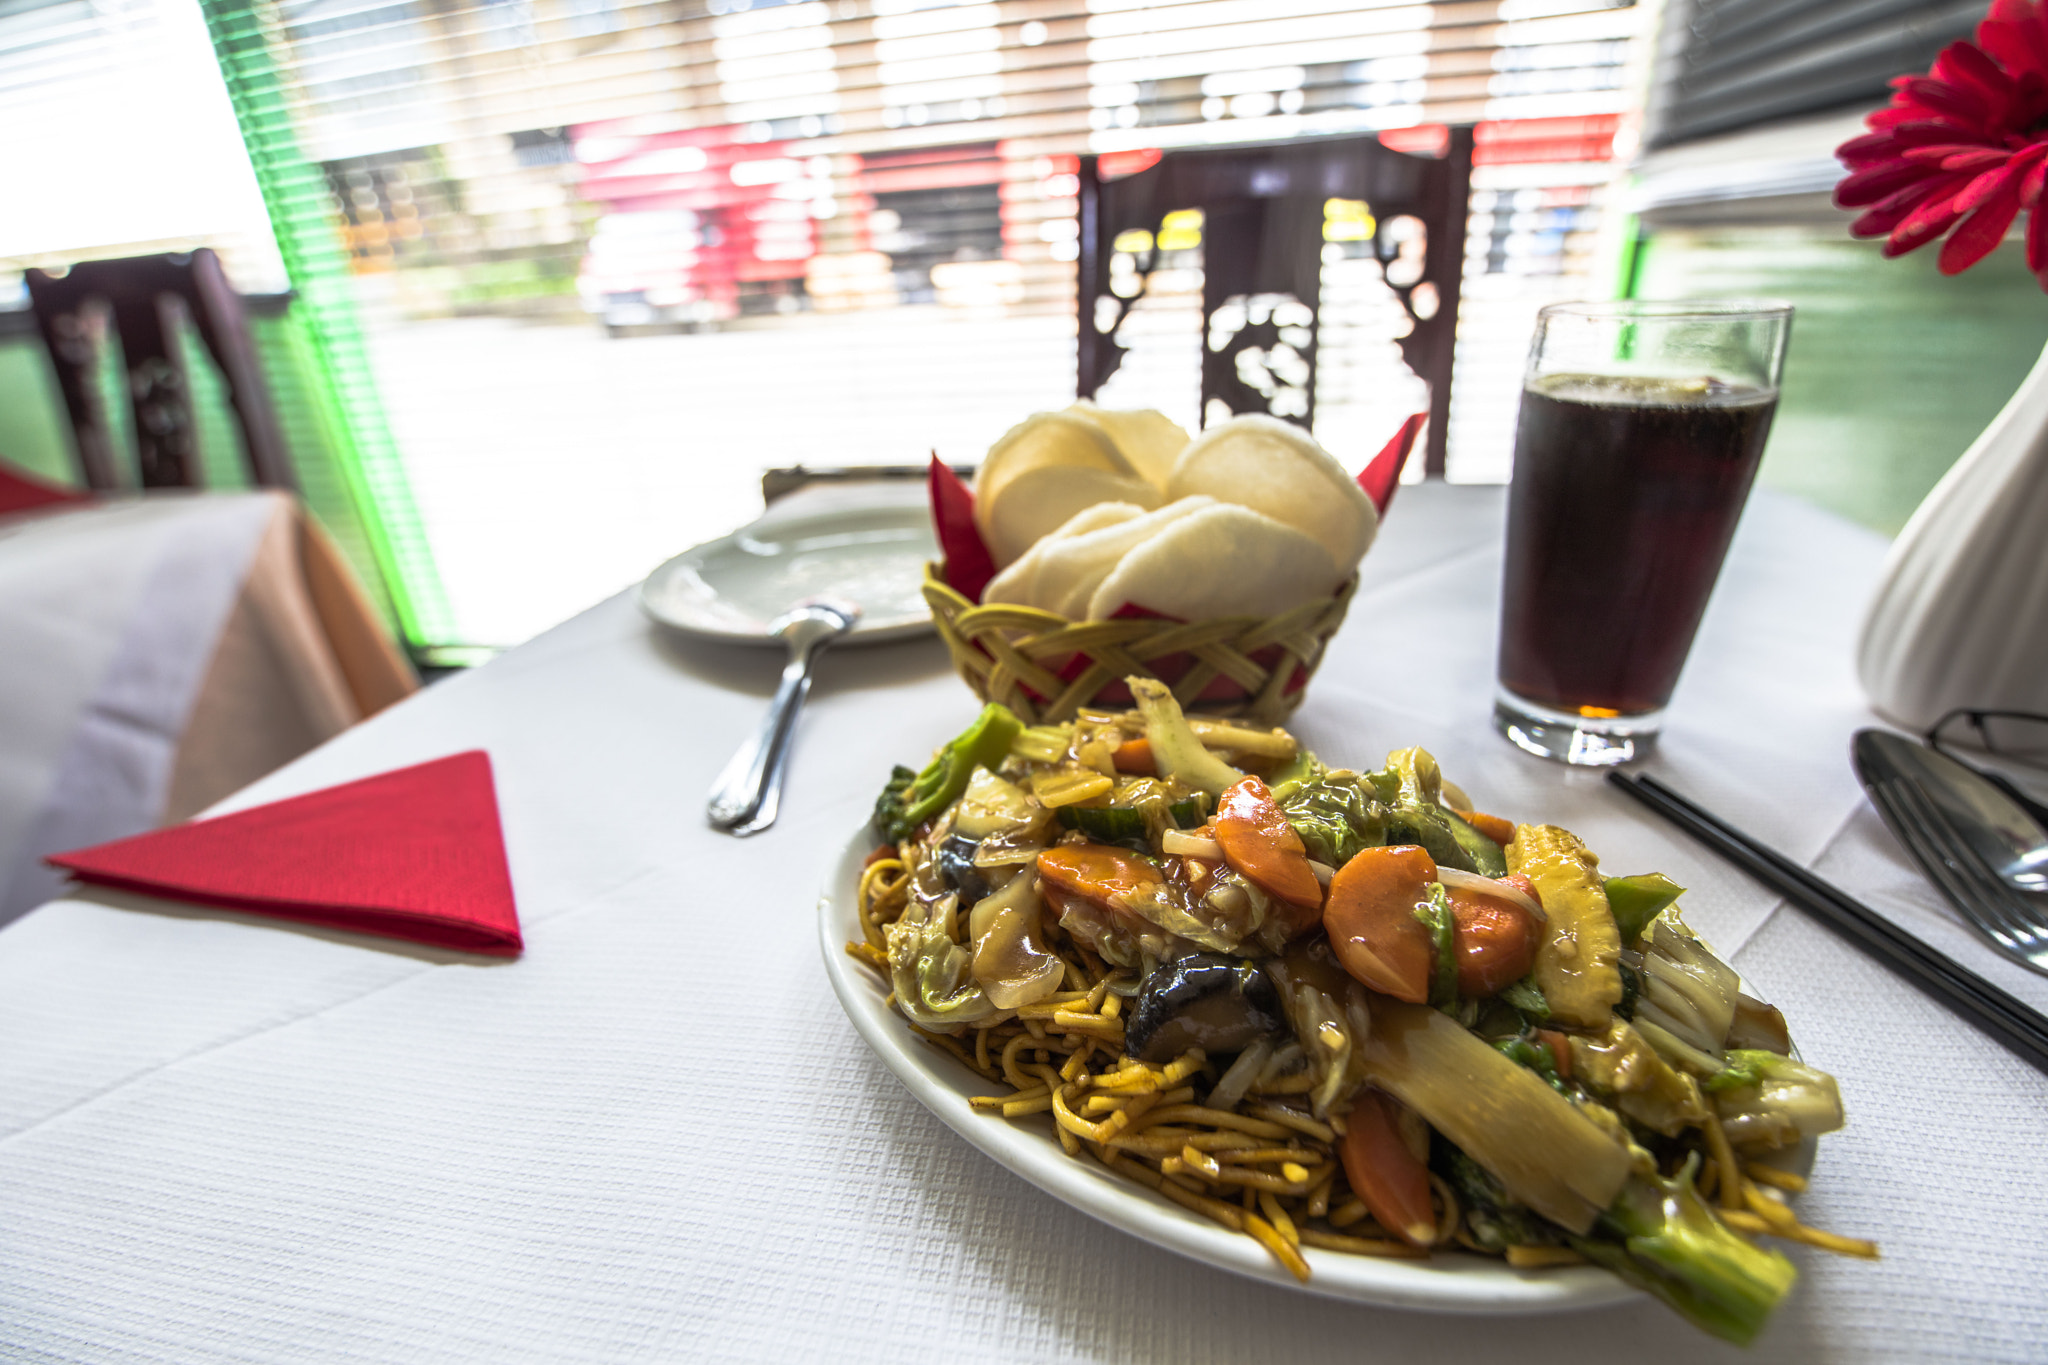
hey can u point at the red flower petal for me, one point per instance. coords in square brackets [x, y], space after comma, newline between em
[1941, 153]
[1868, 148]
[1965, 65]
[1890, 211]
[1989, 186]
[1953, 100]
[1980, 233]
[1907, 114]
[1866, 187]
[1922, 226]
[2016, 32]
[1975, 159]
[2008, 43]
[2030, 188]
[1933, 128]
[2037, 245]
[1921, 131]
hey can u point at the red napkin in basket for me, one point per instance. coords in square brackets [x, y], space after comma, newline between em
[20, 492]
[965, 557]
[414, 854]
[1380, 478]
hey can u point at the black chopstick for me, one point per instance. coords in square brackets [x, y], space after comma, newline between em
[1958, 986]
[2018, 1026]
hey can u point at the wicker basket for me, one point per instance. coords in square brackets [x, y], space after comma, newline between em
[1045, 667]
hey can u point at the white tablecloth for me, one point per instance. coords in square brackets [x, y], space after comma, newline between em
[656, 1137]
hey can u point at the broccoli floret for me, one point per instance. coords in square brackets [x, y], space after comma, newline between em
[910, 798]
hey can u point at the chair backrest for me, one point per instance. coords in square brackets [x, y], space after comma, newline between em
[142, 295]
[1263, 213]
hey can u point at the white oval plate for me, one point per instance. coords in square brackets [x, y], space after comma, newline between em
[1454, 1282]
[731, 588]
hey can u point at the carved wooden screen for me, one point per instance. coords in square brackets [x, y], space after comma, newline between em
[1265, 222]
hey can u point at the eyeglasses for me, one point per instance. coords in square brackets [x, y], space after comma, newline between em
[2015, 738]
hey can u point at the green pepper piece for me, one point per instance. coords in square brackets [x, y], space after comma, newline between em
[1526, 1000]
[1743, 1069]
[1435, 916]
[1189, 812]
[1484, 852]
[983, 744]
[1285, 779]
[1123, 826]
[1635, 901]
[1537, 1057]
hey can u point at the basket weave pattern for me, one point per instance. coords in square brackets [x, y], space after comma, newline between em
[1045, 667]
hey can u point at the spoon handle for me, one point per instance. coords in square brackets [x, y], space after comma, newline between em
[748, 793]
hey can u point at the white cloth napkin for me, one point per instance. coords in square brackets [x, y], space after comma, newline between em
[109, 616]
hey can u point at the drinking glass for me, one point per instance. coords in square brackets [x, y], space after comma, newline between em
[1640, 431]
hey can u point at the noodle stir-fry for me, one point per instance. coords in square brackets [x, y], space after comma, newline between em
[1341, 1010]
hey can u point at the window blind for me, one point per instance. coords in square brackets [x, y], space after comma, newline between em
[1730, 64]
[606, 259]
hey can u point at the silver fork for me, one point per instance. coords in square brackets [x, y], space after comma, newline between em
[2014, 921]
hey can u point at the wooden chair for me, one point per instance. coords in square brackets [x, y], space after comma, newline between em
[142, 296]
[1262, 236]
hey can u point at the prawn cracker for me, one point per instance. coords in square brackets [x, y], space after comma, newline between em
[1147, 438]
[1039, 501]
[1018, 583]
[1222, 560]
[1072, 567]
[1278, 469]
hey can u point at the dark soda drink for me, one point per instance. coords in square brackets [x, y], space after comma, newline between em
[1626, 494]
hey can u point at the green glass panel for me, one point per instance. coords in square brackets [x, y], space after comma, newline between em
[339, 394]
[223, 460]
[35, 435]
[1893, 368]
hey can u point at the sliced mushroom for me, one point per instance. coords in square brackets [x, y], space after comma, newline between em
[1219, 1004]
[955, 857]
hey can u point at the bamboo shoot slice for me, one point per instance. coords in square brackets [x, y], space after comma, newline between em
[1504, 1116]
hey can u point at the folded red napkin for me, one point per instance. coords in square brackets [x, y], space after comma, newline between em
[20, 492]
[414, 854]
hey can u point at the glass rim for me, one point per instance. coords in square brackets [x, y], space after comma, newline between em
[1669, 310]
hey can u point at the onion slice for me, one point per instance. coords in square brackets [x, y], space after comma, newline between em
[1182, 843]
[1242, 1073]
[1487, 886]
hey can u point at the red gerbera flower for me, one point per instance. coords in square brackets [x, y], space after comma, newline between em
[1965, 144]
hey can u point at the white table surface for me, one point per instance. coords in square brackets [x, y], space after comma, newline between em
[656, 1137]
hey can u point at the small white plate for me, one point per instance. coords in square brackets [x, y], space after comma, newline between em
[731, 588]
[1456, 1282]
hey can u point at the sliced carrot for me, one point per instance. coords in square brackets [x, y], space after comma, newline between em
[1370, 916]
[1390, 1179]
[1259, 843]
[881, 851]
[1501, 831]
[1096, 872]
[1135, 756]
[1495, 940]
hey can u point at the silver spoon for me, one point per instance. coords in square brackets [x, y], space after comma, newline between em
[2012, 845]
[748, 793]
